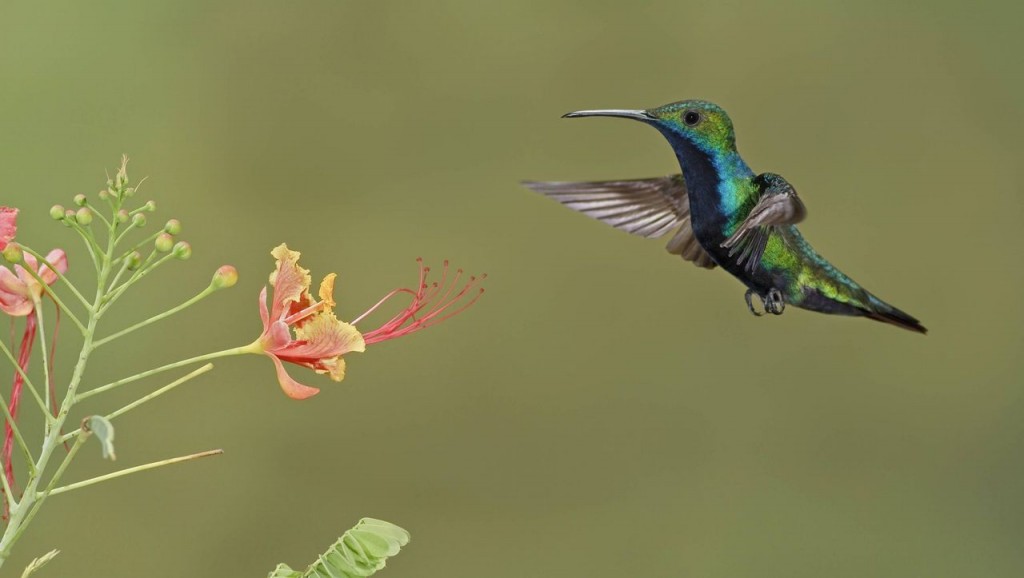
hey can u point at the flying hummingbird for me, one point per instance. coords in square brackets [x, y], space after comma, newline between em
[724, 215]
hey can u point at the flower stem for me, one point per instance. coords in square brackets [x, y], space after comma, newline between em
[128, 471]
[163, 368]
[199, 297]
[144, 270]
[24, 376]
[146, 398]
[46, 366]
[17, 436]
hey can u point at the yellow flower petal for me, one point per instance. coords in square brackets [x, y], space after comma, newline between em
[327, 291]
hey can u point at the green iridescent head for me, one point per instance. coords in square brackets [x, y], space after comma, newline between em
[703, 124]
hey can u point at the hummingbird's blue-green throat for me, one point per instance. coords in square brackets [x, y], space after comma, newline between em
[723, 214]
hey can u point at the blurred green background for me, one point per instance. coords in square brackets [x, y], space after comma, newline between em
[605, 410]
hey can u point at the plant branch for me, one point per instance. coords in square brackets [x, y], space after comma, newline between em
[24, 376]
[133, 470]
[146, 398]
[197, 298]
[163, 368]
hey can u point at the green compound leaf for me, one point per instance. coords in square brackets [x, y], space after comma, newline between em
[104, 432]
[358, 553]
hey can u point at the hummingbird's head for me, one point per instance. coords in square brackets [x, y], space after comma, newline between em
[703, 124]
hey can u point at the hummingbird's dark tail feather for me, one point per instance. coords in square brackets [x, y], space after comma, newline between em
[888, 314]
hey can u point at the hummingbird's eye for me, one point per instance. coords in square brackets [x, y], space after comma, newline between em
[691, 118]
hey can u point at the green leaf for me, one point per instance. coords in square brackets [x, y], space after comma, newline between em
[104, 432]
[360, 552]
[283, 571]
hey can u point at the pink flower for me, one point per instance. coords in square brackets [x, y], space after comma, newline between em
[301, 330]
[319, 339]
[20, 290]
[8, 225]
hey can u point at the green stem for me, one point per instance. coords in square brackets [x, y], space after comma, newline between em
[8, 492]
[199, 297]
[117, 277]
[24, 377]
[17, 437]
[60, 275]
[134, 470]
[46, 365]
[41, 497]
[148, 240]
[99, 214]
[144, 270]
[251, 348]
[149, 397]
[26, 509]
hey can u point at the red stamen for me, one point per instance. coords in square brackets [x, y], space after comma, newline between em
[435, 301]
[24, 354]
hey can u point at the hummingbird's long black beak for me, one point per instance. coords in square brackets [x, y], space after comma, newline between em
[641, 115]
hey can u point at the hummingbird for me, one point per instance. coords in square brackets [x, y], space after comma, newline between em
[723, 215]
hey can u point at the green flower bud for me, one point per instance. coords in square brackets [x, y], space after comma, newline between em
[122, 216]
[173, 227]
[149, 206]
[12, 253]
[103, 195]
[56, 212]
[164, 242]
[80, 200]
[134, 259]
[138, 220]
[182, 250]
[225, 277]
[84, 216]
[69, 218]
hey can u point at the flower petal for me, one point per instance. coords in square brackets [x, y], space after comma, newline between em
[8, 225]
[324, 336]
[59, 260]
[327, 291]
[264, 314]
[290, 281]
[291, 388]
[14, 295]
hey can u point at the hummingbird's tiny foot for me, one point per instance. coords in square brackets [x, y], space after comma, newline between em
[774, 303]
[750, 304]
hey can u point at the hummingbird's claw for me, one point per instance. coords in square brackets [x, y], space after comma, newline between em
[774, 303]
[750, 304]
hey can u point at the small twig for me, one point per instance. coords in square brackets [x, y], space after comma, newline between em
[128, 471]
[146, 398]
[197, 298]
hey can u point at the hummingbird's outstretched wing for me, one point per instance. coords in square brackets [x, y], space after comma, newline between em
[778, 205]
[644, 207]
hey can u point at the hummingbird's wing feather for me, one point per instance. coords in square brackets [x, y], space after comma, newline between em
[778, 205]
[645, 207]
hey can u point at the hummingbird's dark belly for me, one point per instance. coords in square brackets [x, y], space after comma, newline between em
[761, 280]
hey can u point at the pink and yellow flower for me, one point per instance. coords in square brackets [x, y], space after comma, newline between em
[302, 330]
